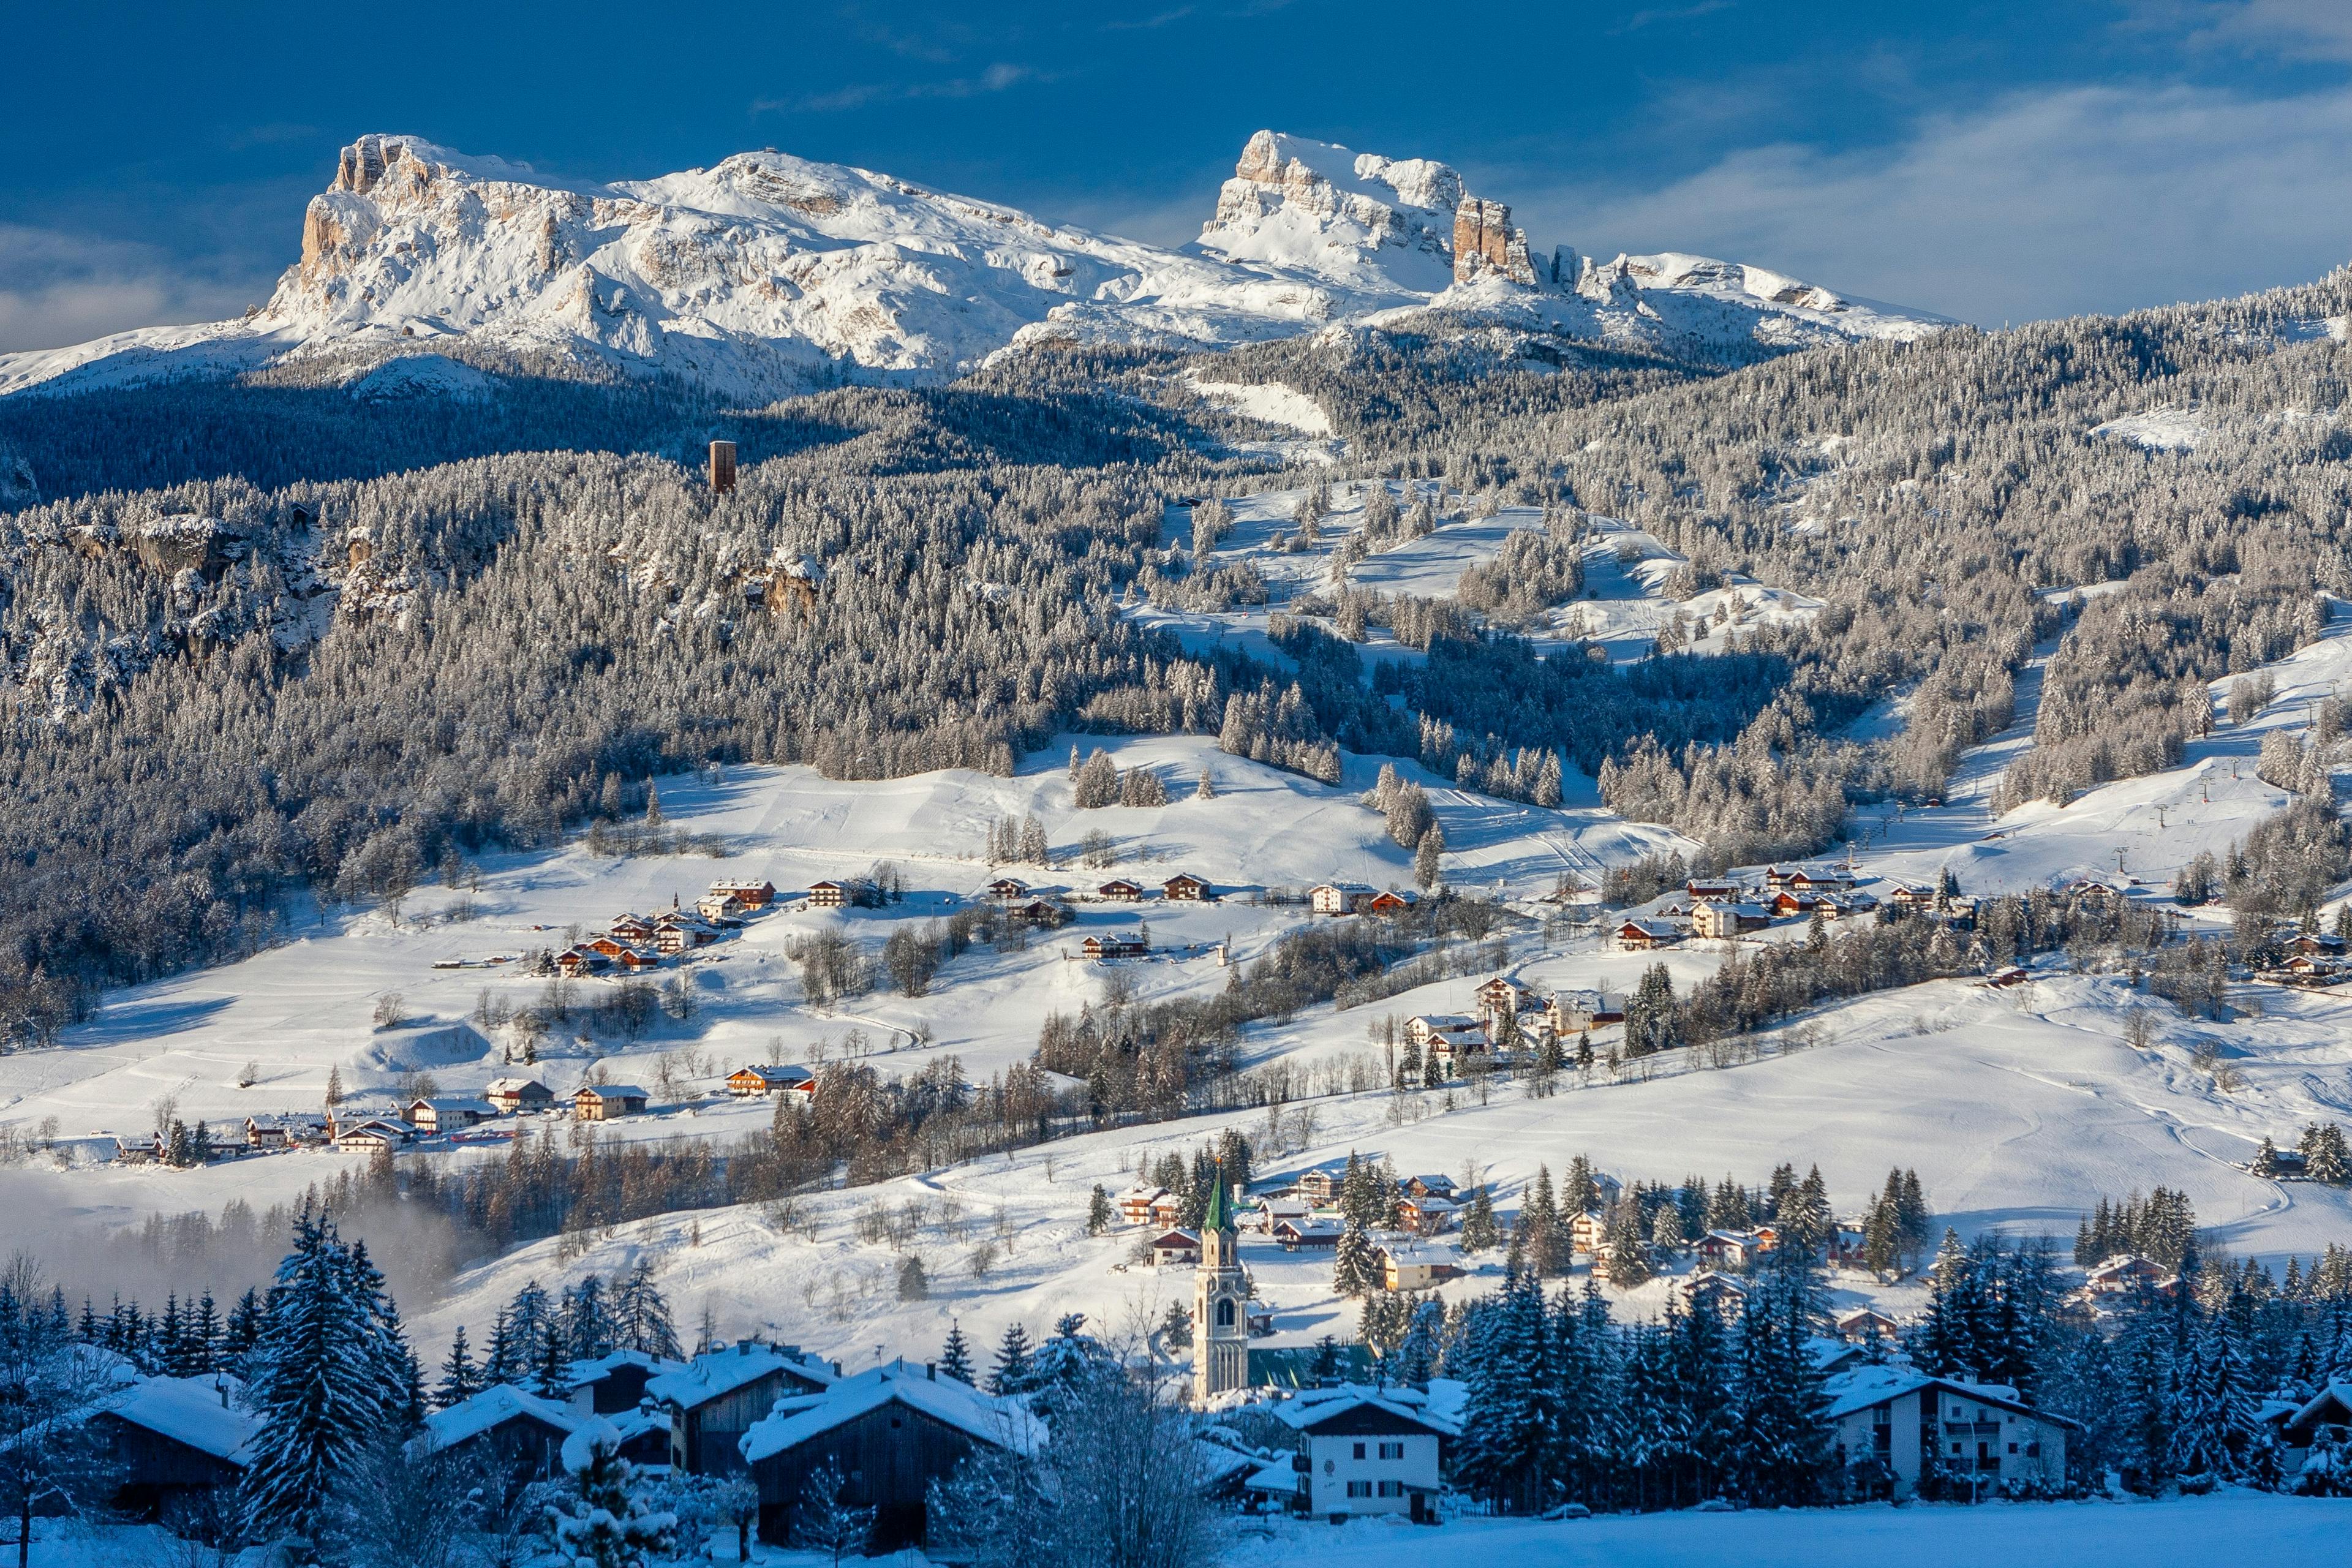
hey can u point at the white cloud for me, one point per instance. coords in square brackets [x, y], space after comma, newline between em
[2088, 199]
[57, 289]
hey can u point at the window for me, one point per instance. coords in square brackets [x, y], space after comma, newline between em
[2012, 1447]
[2033, 1450]
[1359, 1488]
[1392, 1450]
[1360, 1450]
[1391, 1488]
[1226, 1314]
[1956, 1448]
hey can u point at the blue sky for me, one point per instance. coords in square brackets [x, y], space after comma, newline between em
[1993, 162]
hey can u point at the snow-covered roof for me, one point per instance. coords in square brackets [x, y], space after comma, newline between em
[456, 1105]
[615, 1091]
[596, 1369]
[1866, 1386]
[492, 1408]
[201, 1412]
[1275, 1477]
[777, 1074]
[717, 1372]
[2338, 1393]
[1315, 1406]
[1000, 1422]
[513, 1085]
[1220, 1463]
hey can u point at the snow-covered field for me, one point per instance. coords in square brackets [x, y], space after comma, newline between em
[2020, 1106]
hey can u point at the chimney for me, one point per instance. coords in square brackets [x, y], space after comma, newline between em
[722, 467]
[930, 1370]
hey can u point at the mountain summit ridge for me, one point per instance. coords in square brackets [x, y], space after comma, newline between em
[768, 274]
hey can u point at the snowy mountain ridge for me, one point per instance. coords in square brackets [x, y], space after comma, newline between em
[769, 274]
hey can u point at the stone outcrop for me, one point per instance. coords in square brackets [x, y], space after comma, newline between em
[1486, 246]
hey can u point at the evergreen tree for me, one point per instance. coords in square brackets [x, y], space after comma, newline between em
[641, 1315]
[1354, 1268]
[1508, 1418]
[1099, 1213]
[605, 1526]
[321, 1386]
[1478, 1232]
[955, 1355]
[460, 1379]
[1013, 1372]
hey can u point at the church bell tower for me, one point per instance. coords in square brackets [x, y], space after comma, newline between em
[1220, 1302]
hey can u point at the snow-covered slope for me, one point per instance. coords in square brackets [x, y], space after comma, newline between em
[768, 274]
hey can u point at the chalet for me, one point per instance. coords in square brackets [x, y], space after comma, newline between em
[604, 1102]
[752, 895]
[1404, 1266]
[631, 928]
[365, 1134]
[636, 959]
[1573, 1012]
[2121, 1276]
[1449, 1047]
[165, 1439]
[513, 1094]
[520, 1433]
[1700, 892]
[1427, 1215]
[1366, 1451]
[1167, 1209]
[1395, 901]
[1423, 1027]
[2299, 1428]
[285, 1129]
[1118, 944]
[1171, 1247]
[1135, 1204]
[2097, 897]
[1043, 912]
[1319, 1184]
[1642, 935]
[1502, 992]
[1184, 888]
[2317, 944]
[1864, 1324]
[1587, 1230]
[1848, 906]
[447, 1114]
[853, 892]
[606, 947]
[720, 909]
[1978, 1432]
[1788, 902]
[1340, 898]
[1909, 899]
[745, 1083]
[1731, 1248]
[1271, 1211]
[1719, 919]
[1120, 888]
[682, 934]
[2303, 969]
[2003, 979]
[1432, 1185]
[1813, 879]
[574, 962]
[1008, 889]
[1721, 1291]
[1305, 1235]
[615, 1384]
[892, 1432]
[716, 1398]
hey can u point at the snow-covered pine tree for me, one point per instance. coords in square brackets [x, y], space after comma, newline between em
[321, 1386]
[460, 1378]
[603, 1526]
[1354, 1270]
[641, 1315]
[1013, 1372]
[1508, 1414]
[955, 1356]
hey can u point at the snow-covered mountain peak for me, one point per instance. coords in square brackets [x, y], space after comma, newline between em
[766, 274]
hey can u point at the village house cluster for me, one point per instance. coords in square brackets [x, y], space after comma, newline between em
[636, 942]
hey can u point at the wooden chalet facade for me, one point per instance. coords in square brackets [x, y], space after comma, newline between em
[606, 1101]
[755, 895]
[1116, 945]
[746, 1083]
[631, 928]
[1642, 935]
[447, 1114]
[890, 1433]
[1135, 1204]
[1395, 901]
[520, 1433]
[852, 892]
[1715, 920]
[1041, 913]
[1184, 888]
[1007, 889]
[169, 1438]
[514, 1094]
[722, 1393]
[1172, 1249]
[1121, 889]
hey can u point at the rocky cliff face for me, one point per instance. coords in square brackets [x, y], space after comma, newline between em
[768, 274]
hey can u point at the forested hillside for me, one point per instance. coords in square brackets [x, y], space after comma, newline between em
[259, 645]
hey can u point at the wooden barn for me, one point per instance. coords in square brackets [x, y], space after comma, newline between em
[718, 1395]
[167, 1438]
[892, 1432]
[513, 1094]
[749, 1083]
[1184, 888]
[521, 1431]
[615, 1384]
